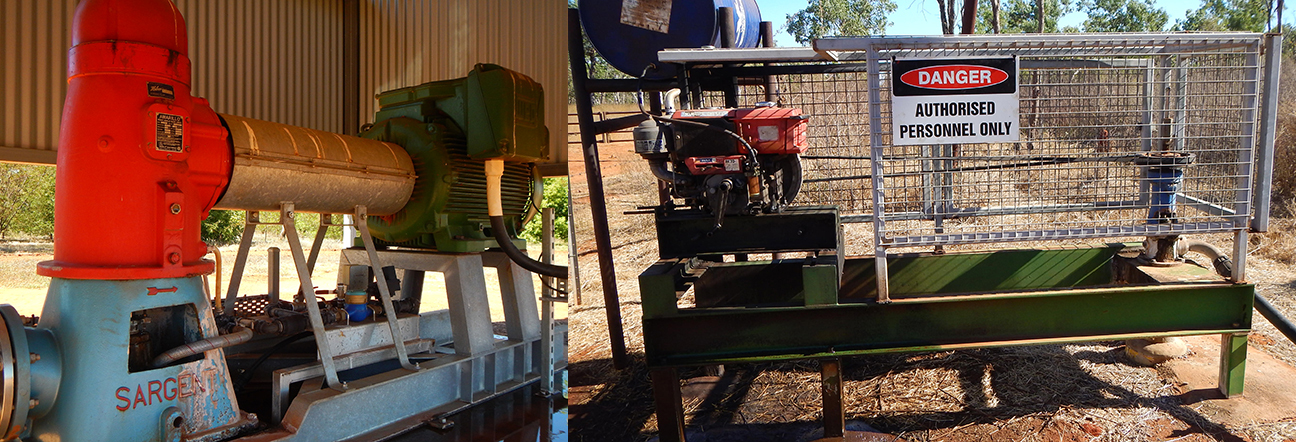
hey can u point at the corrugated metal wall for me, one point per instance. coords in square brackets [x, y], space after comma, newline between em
[398, 48]
[282, 60]
[270, 60]
[33, 63]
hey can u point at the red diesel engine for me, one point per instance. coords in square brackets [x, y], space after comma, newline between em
[727, 161]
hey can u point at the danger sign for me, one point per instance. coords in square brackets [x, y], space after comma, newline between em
[949, 101]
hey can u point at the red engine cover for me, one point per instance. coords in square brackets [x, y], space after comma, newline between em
[773, 130]
[140, 161]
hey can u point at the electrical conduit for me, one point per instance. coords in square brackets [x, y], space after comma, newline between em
[495, 209]
[237, 335]
[1224, 266]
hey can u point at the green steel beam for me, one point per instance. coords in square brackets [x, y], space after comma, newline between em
[727, 335]
[1233, 352]
[1003, 270]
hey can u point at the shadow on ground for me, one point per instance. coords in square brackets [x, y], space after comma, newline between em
[1003, 394]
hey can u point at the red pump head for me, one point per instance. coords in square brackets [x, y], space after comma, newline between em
[140, 161]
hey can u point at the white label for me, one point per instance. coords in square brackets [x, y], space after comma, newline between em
[767, 133]
[731, 165]
[653, 15]
[704, 114]
[952, 119]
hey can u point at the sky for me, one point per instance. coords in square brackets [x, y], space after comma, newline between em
[920, 17]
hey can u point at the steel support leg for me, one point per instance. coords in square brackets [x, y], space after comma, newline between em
[670, 406]
[240, 261]
[326, 220]
[286, 217]
[834, 416]
[384, 292]
[1233, 352]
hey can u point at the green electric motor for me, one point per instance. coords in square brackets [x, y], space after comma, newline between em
[449, 129]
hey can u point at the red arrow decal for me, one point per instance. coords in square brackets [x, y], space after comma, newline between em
[155, 290]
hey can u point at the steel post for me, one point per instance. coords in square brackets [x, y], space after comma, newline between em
[272, 272]
[1268, 125]
[594, 180]
[1232, 370]
[669, 404]
[834, 414]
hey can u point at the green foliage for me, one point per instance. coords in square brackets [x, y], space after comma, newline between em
[226, 226]
[1019, 16]
[825, 18]
[555, 195]
[222, 227]
[1226, 15]
[37, 201]
[1123, 16]
[26, 199]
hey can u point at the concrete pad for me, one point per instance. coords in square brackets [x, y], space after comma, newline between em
[1269, 394]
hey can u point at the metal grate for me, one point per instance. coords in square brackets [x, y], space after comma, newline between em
[1090, 107]
[252, 305]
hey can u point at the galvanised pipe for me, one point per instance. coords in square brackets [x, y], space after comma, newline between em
[318, 171]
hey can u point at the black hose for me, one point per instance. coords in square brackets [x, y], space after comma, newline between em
[1279, 321]
[247, 375]
[506, 244]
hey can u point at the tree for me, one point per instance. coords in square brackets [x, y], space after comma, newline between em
[1022, 16]
[1226, 15]
[38, 199]
[222, 227]
[823, 18]
[994, 17]
[12, 189]
[946, 8]
[1123, 16]
[555, 196]
[26, 199]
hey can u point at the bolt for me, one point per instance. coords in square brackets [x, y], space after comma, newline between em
[175, 208]
[33, 403]
[35, 357]
[252, 417]
[174, 257]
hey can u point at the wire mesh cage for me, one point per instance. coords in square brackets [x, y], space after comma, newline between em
[1096, 113]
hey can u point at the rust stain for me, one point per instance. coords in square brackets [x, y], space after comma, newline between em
[252, 139]
[345, 147]
[291, 140]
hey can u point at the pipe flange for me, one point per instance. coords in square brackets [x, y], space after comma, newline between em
[15, 374]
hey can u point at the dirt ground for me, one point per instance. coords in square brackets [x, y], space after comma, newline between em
[21, 287]
[1078, 392]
